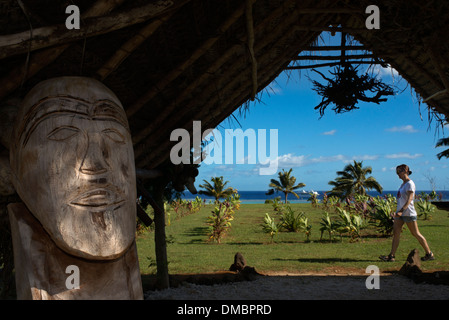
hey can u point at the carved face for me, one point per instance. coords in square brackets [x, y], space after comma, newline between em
[73, 166]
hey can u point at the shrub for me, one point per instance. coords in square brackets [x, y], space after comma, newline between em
[381, 214]
[222, 215]
[327, 226]
[185, 207]
[269, 226]
[219, 222]
[290, 221]
[348, 223]
[425, 208]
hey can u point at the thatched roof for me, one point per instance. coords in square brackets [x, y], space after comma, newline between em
[172, 62]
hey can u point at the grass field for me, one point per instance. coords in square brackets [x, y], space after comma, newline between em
[190, 252]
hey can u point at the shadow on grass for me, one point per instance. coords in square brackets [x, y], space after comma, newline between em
[197, 232]
[325, 260]
[244, 243]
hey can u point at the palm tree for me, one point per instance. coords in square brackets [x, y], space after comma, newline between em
[440, 143]
[217, 190]
[352, 180]
[286, 184]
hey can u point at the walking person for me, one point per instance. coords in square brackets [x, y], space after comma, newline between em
[406, 213]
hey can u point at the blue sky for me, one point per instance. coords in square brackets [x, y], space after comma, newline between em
[383, 136]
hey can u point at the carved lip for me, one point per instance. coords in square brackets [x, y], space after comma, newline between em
[98, 199]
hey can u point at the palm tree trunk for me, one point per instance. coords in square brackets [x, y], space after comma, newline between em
[286, 195]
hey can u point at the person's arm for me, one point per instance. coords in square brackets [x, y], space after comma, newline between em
[410, 195]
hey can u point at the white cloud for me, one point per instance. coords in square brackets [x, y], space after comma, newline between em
[407, 129]
[403, 155]
[290, 160]
[388, 71]
[329, 133]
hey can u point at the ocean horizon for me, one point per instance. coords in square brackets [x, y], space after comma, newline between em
[248, 197]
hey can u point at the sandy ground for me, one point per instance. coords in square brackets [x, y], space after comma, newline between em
[310, 287]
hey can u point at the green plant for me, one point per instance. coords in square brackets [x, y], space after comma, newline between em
[285, 184]
[219, 222]
[217, 189]
[313, 199]
[352, 180]
[277, 204]
[382, 214]
[333, 202]
[425, 208]
[290, 221]
[306, 227]
[269, 226]
[327, 226]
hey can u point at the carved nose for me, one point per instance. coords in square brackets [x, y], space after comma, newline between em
[94, 160]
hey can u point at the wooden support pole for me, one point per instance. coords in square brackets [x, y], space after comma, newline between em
[163, 281]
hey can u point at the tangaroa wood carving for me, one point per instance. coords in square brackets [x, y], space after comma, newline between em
[72, 164]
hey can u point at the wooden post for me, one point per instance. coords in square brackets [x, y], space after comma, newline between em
[157, 202]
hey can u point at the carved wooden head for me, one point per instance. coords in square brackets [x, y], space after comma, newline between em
[73, 166]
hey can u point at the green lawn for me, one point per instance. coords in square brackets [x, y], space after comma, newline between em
[190, 252]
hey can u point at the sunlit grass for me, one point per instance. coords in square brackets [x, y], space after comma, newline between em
[189, 250]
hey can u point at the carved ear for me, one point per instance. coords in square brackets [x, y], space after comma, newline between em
[6, 186]
[8, 113]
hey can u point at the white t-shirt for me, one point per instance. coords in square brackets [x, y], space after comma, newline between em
[403, 197]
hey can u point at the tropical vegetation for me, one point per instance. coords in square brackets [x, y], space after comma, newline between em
[286, 184]
[353, 181]
[216, 189]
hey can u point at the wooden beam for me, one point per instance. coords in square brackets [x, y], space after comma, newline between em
[157, 157]
[41, 59]
[59, 34]
[335, 29]
[334, 48]
[332, 64]
[329, 10]
[250, 31]
[437, 62]
[164, 82]
[355, 56]
[143, 216]
[204, 77]
[130, 46]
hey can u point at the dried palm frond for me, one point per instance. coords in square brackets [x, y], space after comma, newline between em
[347, 88]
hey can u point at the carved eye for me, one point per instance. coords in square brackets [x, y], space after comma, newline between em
[63, 133]
[114, 135]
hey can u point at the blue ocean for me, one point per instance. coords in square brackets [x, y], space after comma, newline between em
[260, 196]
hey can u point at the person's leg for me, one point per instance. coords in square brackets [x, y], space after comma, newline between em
[397, 229]
[413, 227]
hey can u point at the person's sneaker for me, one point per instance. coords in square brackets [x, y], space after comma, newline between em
[389, 258]
[428, 256]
